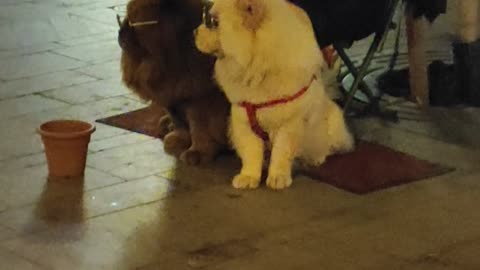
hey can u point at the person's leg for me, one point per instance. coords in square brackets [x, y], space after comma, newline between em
[417, 59]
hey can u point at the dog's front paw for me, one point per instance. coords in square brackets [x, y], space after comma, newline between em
[279, 181]
[194, 157]
[176, 143]
[245, 182]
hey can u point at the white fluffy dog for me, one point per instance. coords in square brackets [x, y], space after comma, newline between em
[268, 64]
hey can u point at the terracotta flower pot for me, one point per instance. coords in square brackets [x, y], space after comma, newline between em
[66, 146]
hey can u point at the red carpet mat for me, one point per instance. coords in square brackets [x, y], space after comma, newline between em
[369, 168]
[373, 167]
[144, 121]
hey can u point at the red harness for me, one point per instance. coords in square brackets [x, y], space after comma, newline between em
[251, 109]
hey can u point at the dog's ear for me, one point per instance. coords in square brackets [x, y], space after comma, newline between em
[252, 11]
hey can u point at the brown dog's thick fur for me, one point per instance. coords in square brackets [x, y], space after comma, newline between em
[161, 64]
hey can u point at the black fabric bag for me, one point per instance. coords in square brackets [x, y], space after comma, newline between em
[346, 21]
[467, 68]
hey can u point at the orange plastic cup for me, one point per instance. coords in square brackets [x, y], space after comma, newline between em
[66, 146]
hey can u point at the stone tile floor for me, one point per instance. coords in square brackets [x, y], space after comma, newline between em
[138, 209]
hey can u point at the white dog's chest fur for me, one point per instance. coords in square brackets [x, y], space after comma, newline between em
[271, 118]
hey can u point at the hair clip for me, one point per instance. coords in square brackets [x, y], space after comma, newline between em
[135, 24]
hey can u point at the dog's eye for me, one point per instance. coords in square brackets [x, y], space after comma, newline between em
[213, 22]
[210, 20]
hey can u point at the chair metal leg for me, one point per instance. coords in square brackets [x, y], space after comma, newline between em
[351, 67]
[359, 74]
[374, 106]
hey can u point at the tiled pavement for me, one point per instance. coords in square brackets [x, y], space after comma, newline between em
[138, 209]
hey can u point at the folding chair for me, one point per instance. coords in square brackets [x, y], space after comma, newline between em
[342, 22]
[360, 73]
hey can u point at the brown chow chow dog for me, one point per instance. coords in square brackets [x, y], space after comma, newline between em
[161, 64]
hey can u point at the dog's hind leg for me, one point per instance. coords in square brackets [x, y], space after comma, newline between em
[176, 142]
[204, 147]
[314, 147]
[250, 149]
